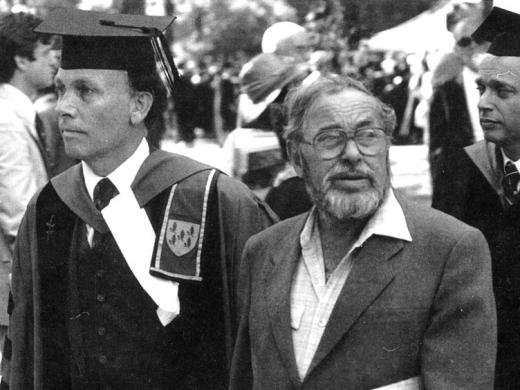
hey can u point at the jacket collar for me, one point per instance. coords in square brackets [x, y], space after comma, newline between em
[489, 161]
[123, 176]
[159, 171]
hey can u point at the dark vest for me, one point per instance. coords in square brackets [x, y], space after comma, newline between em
[114, 336]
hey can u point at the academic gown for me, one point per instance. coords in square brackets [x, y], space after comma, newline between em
[36, 347]
[478, 199]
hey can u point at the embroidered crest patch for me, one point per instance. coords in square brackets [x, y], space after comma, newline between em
[181, 236]
[178, 249]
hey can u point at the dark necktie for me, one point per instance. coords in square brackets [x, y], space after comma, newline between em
[40, 130]
[42, 140]
[510, 182]
[104, 191]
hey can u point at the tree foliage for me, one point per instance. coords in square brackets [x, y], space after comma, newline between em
[225, 27]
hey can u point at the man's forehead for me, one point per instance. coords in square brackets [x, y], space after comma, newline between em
[93, 75]
[350, 106]
[501, 68]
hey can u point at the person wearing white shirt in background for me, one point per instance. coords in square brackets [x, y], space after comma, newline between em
[367, 290]
[27, 64]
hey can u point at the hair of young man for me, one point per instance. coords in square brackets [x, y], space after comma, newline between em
[147, 80]
[301, 98]
[17, 38]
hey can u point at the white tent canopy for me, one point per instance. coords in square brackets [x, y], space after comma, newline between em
[511, 5]
[425, 32]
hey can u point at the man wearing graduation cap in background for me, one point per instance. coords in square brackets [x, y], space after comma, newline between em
[125, 264]
[487, 191]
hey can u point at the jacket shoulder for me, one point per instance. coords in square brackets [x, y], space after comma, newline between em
[288, 229]
[433, 224]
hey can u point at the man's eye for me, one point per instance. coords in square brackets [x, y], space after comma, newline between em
[480, 89]
[85, 91]
[328, 139]
[504, 92]
[367, 133]
[59, 91]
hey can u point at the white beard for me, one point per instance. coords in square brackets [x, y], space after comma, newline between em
[343, 206]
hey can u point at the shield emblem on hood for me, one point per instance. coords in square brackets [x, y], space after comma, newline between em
[182, 236]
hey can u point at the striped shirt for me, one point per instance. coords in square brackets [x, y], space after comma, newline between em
[313, 296]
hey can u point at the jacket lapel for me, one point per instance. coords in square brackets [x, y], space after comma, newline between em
[371, 273]
[70, 187]
[278, 280]
[488, 159]
[159, 171]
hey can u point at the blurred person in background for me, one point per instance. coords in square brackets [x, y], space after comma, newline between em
[55, 156]
[285, 39]
[288, 39]
[252, 151]
[453, 115]
[185, 103]
[486, 190]
[228, 95]
[27, 64]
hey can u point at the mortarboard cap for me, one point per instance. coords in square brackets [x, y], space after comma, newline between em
[97, 40]
[502, 29]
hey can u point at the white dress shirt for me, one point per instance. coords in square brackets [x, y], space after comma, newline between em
[122, 177]
[133, 233]
[312, 296]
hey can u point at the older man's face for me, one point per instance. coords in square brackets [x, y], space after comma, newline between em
[352, 185]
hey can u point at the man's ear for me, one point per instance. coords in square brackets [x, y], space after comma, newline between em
[21, 62]
[295, 156]
[141, 104]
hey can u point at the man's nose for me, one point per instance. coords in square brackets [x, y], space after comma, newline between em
[65, 106]
[485, 102]
[351, 151]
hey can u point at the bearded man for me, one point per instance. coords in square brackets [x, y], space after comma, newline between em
[366, 290]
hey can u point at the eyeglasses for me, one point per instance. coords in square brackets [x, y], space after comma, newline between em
[467, 41]
[464, 41]
[330, 144]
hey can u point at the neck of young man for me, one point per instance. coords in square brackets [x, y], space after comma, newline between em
[106, 164]
[24, 85]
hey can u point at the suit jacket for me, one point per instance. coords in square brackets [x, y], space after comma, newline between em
[479, 201]
[422, 308]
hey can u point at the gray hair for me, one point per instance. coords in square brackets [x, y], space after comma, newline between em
[301, 98]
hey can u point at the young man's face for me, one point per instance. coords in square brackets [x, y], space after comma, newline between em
[40, 72]
[94, 107]
[499, 105]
